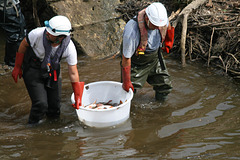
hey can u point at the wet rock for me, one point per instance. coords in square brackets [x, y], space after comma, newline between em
[97, 26]
[5, 69]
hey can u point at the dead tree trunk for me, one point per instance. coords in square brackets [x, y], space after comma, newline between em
[183, 16]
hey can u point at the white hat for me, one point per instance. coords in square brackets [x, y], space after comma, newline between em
[157, 14]
[58, 25]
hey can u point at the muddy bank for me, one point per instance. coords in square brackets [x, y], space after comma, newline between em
[212, 32]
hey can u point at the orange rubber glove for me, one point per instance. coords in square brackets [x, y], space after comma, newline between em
[126, 78]
[17, 70]
[169, 40]
[78, 92]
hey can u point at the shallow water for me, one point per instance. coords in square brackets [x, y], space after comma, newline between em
[199, 119]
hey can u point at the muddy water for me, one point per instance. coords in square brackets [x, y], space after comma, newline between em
[199, 120]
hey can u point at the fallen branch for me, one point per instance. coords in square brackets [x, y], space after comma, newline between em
[224, 28]
[210, 48]
[236, 60]
[214, 24]
[174, 14]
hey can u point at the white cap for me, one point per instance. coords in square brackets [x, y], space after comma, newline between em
[157, 14]
[58, 25]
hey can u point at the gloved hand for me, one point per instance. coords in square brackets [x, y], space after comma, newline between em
[78, 92]
[169, 40]
[17, 70]
[126, 78]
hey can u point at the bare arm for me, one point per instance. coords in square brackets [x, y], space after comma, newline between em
[73, 73]
[23, 46]
[126, 61]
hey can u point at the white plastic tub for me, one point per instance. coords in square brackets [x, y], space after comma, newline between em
[103, 91]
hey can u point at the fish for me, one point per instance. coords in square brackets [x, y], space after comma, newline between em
[102, 105]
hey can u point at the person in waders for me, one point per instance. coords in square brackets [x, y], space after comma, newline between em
[142, 60]
[12, 21]
[39, 56]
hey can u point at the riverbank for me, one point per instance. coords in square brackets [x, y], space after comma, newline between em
[213, 32]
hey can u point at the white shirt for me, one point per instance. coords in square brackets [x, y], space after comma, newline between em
[36, 40]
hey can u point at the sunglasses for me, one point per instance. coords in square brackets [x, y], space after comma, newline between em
[56, 30]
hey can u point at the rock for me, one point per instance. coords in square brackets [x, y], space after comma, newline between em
[5, 69]
[97, 27]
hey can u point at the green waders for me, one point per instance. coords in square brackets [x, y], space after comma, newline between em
[148, 68]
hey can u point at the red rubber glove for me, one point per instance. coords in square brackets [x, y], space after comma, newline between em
[169, 40]
[17, 70]
[78, 92]
[126, 78]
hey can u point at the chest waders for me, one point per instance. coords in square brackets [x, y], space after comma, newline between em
[43, 90]
[151, 68]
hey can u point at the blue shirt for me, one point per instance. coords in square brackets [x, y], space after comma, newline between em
[131, 39]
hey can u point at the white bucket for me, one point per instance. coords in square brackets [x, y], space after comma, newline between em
[103, 91]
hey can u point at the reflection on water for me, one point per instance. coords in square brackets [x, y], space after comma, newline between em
[193, 150]
[199, 119]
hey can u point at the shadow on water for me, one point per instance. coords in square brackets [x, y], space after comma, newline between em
[199, 119]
